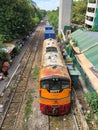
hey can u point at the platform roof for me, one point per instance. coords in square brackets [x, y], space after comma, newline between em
[8, 47]
[87, 42]
[85, 38]
[87, 53]
[92, 55]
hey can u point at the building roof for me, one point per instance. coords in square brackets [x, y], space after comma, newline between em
[87, 43]
[8, 47]
[84, 38]
[88, 69]
[87, 54]
[92, 55]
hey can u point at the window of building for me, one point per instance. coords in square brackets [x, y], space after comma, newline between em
[92, 1]
[91, 10]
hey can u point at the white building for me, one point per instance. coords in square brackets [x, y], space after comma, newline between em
[91, 20]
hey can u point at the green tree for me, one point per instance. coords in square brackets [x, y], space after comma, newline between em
[17, 18]
[53, 18]
[79, 11]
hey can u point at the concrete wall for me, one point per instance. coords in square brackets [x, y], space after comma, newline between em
[65, 13]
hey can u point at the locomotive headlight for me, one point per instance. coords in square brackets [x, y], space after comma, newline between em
[55, 79]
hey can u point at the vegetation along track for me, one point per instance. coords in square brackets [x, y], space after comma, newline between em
[14, 94]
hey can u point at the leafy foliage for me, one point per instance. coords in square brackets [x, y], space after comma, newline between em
[4, 56]
[35, 70]
[93, 29]
[79, 11]
[53, 18]
[17, 18]
[88, 116]
[92, 99]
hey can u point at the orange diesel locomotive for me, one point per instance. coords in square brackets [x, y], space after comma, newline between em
[54, 81]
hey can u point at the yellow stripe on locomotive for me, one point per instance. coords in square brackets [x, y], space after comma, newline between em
[54, 81]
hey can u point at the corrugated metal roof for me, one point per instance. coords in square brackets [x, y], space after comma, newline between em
[92, 55]
[87, 42]
[84, 38]
[94, 34]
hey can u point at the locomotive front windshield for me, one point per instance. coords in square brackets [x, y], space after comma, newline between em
[55, 85]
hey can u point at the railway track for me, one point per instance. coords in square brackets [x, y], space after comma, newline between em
[73, 121]
[14, 93]
[65, 122]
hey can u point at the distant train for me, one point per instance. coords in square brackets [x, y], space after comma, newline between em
[48, 27]
[49, 32]
[54, 81]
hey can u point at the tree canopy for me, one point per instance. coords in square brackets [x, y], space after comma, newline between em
[79, 11]
[17, 18]
[53, 18]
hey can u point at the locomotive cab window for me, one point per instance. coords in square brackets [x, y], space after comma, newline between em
[55, 85]
[65, 84]
[45, 84]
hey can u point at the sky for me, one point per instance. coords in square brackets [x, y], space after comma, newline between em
[47, 4]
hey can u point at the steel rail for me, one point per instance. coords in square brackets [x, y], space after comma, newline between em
[20, 73]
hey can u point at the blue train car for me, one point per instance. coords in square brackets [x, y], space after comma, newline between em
[48, 27]
[49, 34]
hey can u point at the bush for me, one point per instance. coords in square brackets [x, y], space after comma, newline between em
[92, 99]
[16, 50]
[4, 56]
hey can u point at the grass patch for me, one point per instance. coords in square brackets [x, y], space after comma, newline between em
[31, 91]
[29, 104]
[28, 108]
[35, 71]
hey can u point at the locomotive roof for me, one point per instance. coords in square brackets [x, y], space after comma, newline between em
[48, 27]
[52, 61]
[52, 57]
[54, 71]
[50, 43]
[49, 31]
